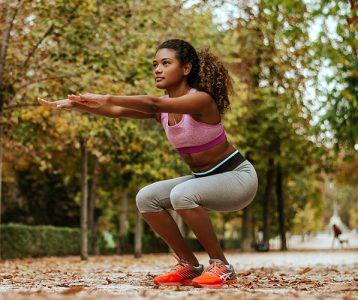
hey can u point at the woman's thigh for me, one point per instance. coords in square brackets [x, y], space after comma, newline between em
[229, 191]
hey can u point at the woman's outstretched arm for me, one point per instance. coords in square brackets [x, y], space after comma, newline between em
[197, 103]
[114, 111]
[106, 110]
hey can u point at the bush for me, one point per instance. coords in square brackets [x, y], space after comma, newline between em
[19, 241]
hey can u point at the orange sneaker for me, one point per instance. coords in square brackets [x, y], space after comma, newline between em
[182, 273]
[216, 275]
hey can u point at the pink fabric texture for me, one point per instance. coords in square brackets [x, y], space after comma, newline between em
[200, 148]
[190, 133]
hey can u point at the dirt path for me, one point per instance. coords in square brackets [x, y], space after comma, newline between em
[273, 275]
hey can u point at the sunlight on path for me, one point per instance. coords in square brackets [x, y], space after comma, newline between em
[295, 259]
[318, 241]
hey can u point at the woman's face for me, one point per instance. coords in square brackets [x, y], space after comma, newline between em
[167, 69]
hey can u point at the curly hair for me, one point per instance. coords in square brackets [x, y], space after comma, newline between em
[208, 73]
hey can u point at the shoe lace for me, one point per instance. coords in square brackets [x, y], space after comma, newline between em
[180, 263]
[215, 268]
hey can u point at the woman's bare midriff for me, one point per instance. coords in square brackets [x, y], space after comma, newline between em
[203, 161]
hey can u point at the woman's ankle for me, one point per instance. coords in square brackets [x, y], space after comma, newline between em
[193, 262]
[221, 258]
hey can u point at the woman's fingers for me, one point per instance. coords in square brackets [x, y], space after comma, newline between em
[65, 105]
[59, 104]
[87, 100]
[47, 103]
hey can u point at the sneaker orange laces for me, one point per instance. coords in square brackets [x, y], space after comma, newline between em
[215, 268]
[180, 263]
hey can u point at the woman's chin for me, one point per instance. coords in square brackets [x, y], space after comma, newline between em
[159, 85]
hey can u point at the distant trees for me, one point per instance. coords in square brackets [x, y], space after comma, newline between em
[64, 47]
[271, 54]
[338, 51]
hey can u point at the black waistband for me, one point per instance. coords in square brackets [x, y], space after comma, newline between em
[229, 165]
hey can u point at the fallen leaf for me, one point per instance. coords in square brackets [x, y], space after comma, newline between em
[305, 270]
[72, 290]
[65, 284]
[246, 273]
[345, 288]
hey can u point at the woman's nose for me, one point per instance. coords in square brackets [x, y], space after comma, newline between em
[158, 69]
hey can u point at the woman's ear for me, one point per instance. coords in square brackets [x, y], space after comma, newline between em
[187, 68]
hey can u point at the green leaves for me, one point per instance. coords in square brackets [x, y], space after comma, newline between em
[271, 55]
[108, 46]
[339, 46]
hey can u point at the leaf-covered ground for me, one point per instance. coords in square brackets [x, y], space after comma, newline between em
[273, 275]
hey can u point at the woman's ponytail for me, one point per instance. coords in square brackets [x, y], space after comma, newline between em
[214, 79]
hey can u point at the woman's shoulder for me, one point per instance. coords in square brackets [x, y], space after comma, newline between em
[201, 93]
[212, 115]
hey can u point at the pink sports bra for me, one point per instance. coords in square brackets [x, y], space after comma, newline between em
[191, 136]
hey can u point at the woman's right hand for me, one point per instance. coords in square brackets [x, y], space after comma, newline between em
[59, 104]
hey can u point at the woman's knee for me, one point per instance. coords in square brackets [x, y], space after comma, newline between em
[182, 198]
[146, 200]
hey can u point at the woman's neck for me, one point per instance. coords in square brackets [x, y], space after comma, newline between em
[179, 91]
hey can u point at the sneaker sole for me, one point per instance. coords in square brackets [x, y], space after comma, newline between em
[174, 283]
[217, 285]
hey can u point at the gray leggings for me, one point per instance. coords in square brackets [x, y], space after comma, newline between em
[229, 191]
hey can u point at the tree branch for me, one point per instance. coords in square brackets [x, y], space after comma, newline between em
[32, 52]
[47, 33]
[6, 35]
[45, 79]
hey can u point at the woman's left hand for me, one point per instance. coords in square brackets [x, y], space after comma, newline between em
[90, 100]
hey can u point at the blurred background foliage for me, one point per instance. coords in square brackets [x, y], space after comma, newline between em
[294, 112]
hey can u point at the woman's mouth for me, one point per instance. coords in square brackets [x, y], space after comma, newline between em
[158, 79]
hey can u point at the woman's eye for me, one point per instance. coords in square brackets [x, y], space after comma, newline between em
[155, 65]
[166, 63]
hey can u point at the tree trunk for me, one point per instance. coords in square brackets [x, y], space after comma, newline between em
[186, 231]
[92, 206]
[281, 207]
[223, 227]
[84, 198]
[1, 166]
[179, 220]
[180, 223]
[183, 228]
[267, 202]
[4, 87]
[138, 235]
[123, 223]
[246, 229]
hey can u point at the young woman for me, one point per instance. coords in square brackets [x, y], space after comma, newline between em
[222, 179]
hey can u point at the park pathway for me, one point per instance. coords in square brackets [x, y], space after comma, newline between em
[328, 274]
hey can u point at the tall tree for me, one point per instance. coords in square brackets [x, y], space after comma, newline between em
[337, 47]
[271, 57]
[84, 200]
